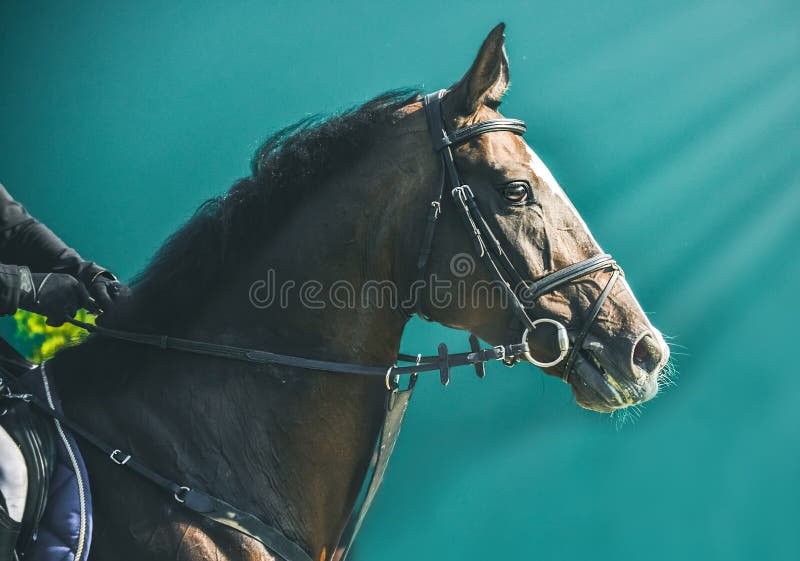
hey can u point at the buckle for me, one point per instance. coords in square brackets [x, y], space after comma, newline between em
[391, 381]
[412, 380]
[462, 192]
[180, 496]
[500, 352]
[122, 460]
[6, 393]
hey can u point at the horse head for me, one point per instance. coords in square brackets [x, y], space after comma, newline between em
[621, 354]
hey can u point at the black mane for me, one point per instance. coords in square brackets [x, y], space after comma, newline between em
[283, 171]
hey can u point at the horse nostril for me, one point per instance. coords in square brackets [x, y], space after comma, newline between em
[647, 353]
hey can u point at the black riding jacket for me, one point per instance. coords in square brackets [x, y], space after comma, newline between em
[26, 241]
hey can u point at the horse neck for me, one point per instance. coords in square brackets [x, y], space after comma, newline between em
[291, 446]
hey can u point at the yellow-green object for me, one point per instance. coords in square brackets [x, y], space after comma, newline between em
[39, 341]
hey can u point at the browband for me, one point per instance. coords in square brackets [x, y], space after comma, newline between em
[441, 139]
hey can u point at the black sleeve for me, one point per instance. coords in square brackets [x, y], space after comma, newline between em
[26, 241]
[9, 289]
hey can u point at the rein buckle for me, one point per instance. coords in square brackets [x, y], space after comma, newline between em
[510, 361]
[391, 381]
[180, 495]
[122, 459]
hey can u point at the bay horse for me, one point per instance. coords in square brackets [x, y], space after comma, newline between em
[342, 202]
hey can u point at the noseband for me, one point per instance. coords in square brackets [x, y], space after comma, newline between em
[488, 247]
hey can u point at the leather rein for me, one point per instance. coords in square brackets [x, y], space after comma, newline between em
[486, 245]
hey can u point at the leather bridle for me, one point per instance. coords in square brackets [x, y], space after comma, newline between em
[489, 249]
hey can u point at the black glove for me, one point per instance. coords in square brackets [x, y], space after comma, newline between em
[55, 295]
[105, 289]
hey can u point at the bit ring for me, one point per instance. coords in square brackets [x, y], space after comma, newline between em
[563, 343]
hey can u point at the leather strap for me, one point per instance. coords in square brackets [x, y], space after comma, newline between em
[202, 503]
[493, 125]
[568, 274]
[485, 243]
[434, 210]
[577, 344]
[394, 412]
[444, 365]
[440, 138]
[475, 345]
[427, 364]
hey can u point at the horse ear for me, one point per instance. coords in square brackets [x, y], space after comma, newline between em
[487, 79]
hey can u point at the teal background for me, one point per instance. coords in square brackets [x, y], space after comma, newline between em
[672, 125]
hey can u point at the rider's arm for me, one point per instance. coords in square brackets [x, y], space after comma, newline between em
[26, 241]
[12, 279]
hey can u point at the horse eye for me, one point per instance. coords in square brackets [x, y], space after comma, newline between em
[516, 192]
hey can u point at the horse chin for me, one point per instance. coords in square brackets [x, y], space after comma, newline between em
[596, 388]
